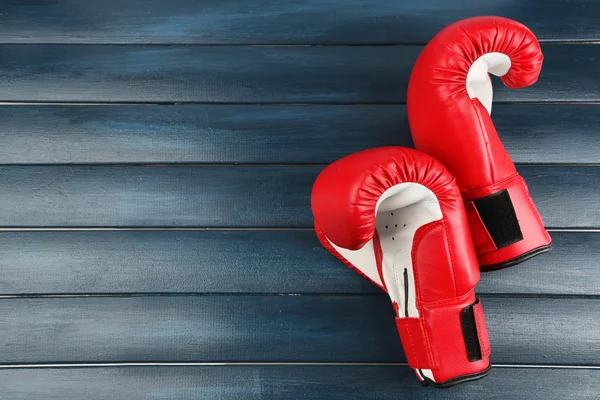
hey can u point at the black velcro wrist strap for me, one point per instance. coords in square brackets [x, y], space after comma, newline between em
[475, 332]
[498, 215]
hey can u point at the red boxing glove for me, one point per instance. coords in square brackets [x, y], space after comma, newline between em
[396, 216]
[449, 101]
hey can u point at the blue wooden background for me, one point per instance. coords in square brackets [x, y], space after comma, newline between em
[156, 160]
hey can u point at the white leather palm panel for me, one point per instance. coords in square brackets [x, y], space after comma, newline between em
[401, 211]
[479, 84]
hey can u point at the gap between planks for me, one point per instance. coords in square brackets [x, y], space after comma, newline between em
[241, 164]
[260, 364]
[64, 229]
[256, 104]
[322, 44]
[551, 296]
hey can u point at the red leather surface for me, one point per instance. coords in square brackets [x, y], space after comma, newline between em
[443, 323]
[457, 130]
[441, 272]
[482, 332]
[445, 122]
[344, 200]
[416, 344]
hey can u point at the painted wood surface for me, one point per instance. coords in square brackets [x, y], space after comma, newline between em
[267, 292]
[248, 328]
[38, 134]
[257, 74]
[303, 382]
[278, 22]
[227, 196]
[253, 261]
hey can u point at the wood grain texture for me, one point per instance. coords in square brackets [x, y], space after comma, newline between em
[270, 74]
[311, 382]
[226, 196]
[247, 74]
[52, 134]
[172, 261]
[283, 262]
[281, 22]
[196, 134]
[319, 328]
[261, 295]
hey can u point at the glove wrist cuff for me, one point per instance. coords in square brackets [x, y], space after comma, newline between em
[445, 345]
[505, 225]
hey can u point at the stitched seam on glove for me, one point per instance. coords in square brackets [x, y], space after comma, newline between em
[480, 324]
[431, 355]
[419, 234]
[484, 134]
[475, 193]
[447, 302]
[323, 239]
[416, 240]
[452, 263]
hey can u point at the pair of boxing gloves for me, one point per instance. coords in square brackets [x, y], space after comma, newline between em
[421, 224]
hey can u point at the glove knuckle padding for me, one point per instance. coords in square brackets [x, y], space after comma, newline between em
[438, 99]
[346, 193]
[396, 216]
[449, 103]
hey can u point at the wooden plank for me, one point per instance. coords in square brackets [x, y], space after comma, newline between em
[577, 195]
[226, 196]
[549, 133]
[196, 134]
[289, 74]
[156, 196]
[281, 22]
[67, 73]
[172, 262]
[238, 328]
[532, 133]
[309, 382]
[568, 269]
[283, 262]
